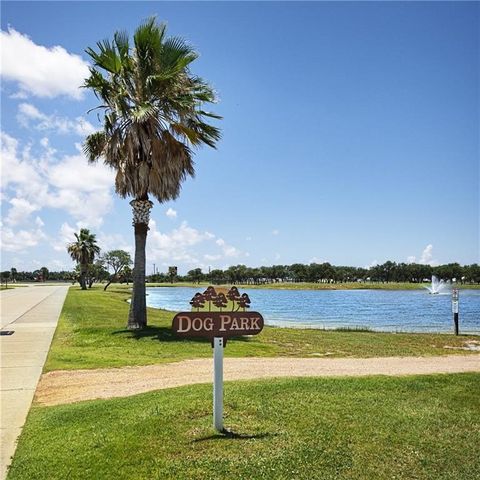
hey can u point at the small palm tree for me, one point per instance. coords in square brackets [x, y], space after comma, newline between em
[153, 117]
[83, 251]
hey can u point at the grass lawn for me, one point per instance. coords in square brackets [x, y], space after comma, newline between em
[91, 334]
[423, 427]
[318, 286]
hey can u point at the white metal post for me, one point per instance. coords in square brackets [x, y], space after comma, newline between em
[218, 383]
[455, 309]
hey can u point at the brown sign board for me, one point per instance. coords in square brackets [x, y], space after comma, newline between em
[217, 324]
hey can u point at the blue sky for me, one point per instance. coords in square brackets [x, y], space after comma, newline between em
[350, 134]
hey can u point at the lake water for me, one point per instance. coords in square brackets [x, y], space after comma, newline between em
[381, 310]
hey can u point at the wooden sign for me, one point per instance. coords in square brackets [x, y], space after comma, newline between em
[217, 324]
[218, 315]
[221, 314]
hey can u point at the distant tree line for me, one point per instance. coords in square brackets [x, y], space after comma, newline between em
[327, 273]
[41, 275]
[95, 273]
[91, 266]
[119, 261]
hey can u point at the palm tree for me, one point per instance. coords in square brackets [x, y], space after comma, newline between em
[83, 250]
[153, 118]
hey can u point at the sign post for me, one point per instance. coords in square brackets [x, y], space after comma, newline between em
[218, 383]
[218, 325]
[455, 309]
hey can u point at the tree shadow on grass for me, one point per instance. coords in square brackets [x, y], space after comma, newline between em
[230, 435]
[165, 334]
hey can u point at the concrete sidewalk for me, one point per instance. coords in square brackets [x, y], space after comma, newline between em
[32, 314]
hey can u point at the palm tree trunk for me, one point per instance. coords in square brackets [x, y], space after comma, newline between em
[83, 273]
[137, 317]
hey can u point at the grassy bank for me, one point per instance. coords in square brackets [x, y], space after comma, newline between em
[369, 428]
[316, 286]
[91, 334]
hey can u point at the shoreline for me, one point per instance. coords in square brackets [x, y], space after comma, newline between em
[310, 286]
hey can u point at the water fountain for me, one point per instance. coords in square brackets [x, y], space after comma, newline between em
[439, 286]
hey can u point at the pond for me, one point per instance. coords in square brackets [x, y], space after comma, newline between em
[380, 310]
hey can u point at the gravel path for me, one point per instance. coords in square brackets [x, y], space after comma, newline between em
[61, 386]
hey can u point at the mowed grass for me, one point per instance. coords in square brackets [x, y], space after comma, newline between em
[423, 427]
[317, 286]
[91, 334]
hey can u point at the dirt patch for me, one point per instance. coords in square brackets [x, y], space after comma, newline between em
[60, 386]
[470, 345]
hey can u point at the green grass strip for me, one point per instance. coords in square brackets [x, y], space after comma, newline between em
[422, 427]
[91, 334]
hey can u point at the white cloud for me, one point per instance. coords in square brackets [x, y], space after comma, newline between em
[19, 96]
[20, 211]
[27, 111]
[228, 250]
[16, 241]
[186, 245]
[28, 114]
[75, 174]
[114, 242]
[65, 236]
[87, 208]
[106, 242]
[41, 71]
[171, 213]
[275, 232]
[212, 258]
[15, 170]
[426, 257]
[71, 183]
[316, 260]
[175, 243]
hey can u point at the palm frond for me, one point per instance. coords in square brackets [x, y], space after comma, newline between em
[106, 58]
[176, 54]
[122, 44]
[94, 146]
[154, 112]
[210, 115]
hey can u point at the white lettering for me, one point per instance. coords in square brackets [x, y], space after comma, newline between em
[184, 324]
[224, 321]
[208, 324]
[197, 324]
[255, 325]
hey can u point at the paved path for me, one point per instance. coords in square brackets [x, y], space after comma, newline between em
[32, 313]
[72, 386]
